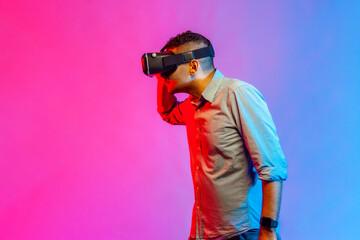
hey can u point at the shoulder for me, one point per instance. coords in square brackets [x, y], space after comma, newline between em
[233, 85]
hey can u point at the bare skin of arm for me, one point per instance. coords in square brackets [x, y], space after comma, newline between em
[270, 207]
[165, 100]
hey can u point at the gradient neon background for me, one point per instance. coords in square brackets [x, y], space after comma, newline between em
[84, 155]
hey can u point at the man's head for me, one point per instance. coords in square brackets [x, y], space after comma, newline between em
[187, 74]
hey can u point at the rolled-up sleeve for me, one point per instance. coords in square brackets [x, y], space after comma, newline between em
[258, 130]
[175, 115]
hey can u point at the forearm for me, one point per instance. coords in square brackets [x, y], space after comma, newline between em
[271, 206]
[165, 100]
[271, 199]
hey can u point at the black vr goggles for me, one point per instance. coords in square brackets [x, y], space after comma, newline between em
[166, 62]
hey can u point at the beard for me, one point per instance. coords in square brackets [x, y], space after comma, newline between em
[172, 87]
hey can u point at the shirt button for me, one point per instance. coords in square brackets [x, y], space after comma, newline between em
[198, 207]
[197, 168]
[197, 129]
[197, 188]
[198, 148]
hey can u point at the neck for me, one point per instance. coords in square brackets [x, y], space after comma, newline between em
[200, 84]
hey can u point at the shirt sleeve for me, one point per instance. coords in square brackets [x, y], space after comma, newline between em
[255, 123]
[175, 115]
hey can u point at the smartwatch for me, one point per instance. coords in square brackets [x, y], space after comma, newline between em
[268, 222]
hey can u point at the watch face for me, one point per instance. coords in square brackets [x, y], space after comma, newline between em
[268, 222]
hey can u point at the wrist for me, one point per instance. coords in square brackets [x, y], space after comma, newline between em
[267, 230]
[268, 222]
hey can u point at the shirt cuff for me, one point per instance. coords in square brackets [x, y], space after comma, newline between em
[273, 174]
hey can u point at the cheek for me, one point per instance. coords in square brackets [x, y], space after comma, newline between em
[182, 70]
[180, 74]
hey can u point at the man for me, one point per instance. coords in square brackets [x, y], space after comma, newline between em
[231, 134]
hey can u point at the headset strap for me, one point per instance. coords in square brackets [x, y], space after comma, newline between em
[188, 56]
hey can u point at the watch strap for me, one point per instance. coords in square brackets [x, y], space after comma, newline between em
[268, 222]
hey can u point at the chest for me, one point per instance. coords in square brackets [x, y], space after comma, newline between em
[212, 123]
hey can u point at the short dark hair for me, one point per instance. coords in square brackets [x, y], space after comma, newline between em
[187, 37]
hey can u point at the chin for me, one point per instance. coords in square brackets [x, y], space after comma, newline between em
[170, 89]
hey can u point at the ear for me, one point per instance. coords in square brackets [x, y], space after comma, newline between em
[194, 67]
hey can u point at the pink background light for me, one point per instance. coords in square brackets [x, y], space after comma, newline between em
[84, 155]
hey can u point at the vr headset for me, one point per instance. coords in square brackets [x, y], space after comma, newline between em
[167, 62]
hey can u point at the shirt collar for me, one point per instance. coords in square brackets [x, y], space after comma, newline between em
[213, 86]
